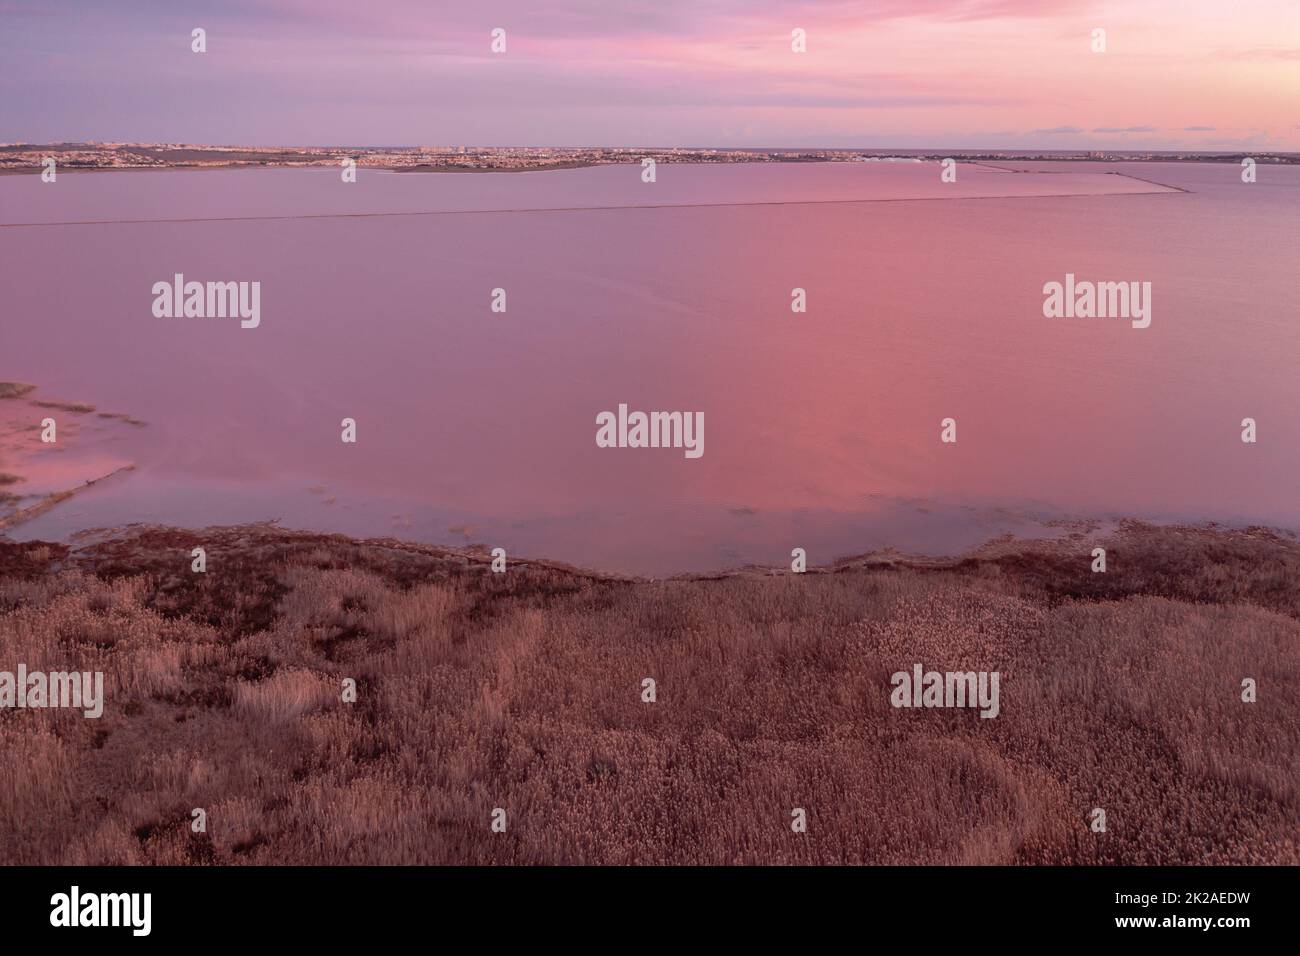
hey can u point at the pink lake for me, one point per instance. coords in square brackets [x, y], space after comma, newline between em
[822, 429]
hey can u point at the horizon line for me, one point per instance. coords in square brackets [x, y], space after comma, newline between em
[644, 146]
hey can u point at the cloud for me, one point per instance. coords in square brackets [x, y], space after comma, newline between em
[1199, 129]
[1260, 139]
[1266, 53]
[1125, 129]
[1058, 129]
[663, 18]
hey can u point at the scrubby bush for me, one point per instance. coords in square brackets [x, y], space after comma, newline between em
[523, 691]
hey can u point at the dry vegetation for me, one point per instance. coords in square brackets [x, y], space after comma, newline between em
[14, 389]
[522, 691]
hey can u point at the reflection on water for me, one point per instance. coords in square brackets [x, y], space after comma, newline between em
[823, 427]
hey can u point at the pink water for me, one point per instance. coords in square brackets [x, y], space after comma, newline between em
[822, 429]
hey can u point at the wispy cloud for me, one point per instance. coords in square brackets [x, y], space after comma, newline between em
[1264, 53]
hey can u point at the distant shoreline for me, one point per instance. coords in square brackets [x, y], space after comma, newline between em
[16, 159]
[181, 168]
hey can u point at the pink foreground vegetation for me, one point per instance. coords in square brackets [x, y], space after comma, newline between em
[523, 691]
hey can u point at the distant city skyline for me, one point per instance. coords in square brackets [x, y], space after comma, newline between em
[920, 74]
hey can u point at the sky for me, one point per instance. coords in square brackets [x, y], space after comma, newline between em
[1175, 74]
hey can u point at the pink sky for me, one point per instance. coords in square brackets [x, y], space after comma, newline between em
[942, 73]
